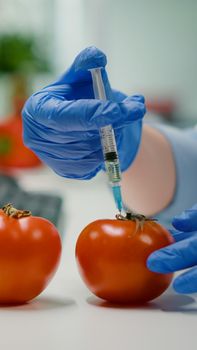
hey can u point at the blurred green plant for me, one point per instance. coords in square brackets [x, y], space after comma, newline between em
[20, 54]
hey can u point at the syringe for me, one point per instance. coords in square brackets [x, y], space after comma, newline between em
[108, 142]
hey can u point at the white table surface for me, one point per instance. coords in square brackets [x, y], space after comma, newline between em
[66, 316]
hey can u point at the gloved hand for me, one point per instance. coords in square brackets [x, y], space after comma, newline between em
[180, 255]
[61, 122]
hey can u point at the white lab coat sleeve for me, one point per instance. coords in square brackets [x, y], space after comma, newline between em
[184, 148]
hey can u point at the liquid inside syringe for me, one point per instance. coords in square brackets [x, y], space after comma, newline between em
[110, 154]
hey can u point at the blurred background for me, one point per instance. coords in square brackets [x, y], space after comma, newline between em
[151, 48]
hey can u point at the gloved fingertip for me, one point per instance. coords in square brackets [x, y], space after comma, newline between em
[139, 98]
[89, 58]
[177, 221]
[180, 286]
[184, 223]
[155, 263]
[132, 110]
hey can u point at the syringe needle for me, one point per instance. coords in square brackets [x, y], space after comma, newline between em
[116, 189]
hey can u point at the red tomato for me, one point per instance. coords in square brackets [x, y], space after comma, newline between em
[30, 249]
[13, 152]
[112, 254]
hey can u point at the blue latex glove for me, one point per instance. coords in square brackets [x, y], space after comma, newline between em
[180, 255]
[61, 122]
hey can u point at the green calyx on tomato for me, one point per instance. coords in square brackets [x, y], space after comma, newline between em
[5, 145]
[9, 210]
[138, 218]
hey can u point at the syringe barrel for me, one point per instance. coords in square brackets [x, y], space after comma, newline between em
[110, 154]
[108, 140]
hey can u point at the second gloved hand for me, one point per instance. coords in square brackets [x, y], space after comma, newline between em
[180, 255]
[61, 122]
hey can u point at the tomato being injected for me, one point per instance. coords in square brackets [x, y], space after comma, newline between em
[30, 250]
[112, 254]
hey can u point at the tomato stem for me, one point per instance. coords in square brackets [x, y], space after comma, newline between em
[134, 216]
[138, 218]
[9, 210]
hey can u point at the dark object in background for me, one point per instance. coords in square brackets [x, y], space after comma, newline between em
[21, 58]
[22, 54]
[48, 206]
